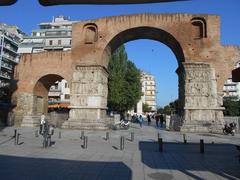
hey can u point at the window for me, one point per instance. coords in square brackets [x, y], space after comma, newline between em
[199, 27]
[50, 42]
[67, 96]
[66, 85]
[59, 42]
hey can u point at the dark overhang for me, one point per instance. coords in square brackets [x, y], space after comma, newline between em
[7, 2]
[236, 75]
[59, 2]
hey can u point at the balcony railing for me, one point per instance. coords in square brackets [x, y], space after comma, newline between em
[5, 75]
[6, 66]
[9, 48]
[15, 60]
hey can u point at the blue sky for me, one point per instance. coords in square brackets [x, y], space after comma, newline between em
[150, 56]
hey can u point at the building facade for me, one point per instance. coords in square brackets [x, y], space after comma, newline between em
[231, 90]
[10, 37]
[149, 90]
[54, 35]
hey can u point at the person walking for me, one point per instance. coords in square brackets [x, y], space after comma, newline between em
[157, 119]
[161, 120]
[140, 120]
[149, 119]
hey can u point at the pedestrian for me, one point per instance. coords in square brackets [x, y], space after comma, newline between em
[42, 119]
[157, 119]
[140, 120]
[42, 123]
[149, 119]
[161, 120]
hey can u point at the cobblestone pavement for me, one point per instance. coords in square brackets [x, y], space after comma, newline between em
[103, 160]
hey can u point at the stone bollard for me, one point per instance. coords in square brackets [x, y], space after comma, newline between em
[82, 135]
[160, 143]
[132, 136]
[122, 141]
[201, 146]
[18, 136]
[107, 136]
[85, 142]
[59, 134]
[15, 133]
[15, 136]
[184, 139]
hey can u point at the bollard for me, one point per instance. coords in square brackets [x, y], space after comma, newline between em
[59, 134]
[122, 143]
[132, 136]
[184, 138]
[36, 133]
[85, 142]
[15, 137]
[49, 141]
[18, 136]
[107, 136]
[15, 133]
[160, 143]
[82, 135]
[201, 146]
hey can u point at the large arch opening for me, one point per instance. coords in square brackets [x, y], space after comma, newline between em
[155, 34]
[52, 97]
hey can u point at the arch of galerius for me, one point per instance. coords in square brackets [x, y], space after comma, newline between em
[203, 62]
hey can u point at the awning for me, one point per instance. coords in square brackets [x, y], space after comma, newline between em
[60, 105]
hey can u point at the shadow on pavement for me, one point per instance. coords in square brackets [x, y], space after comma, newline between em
[219, 159]
[13, 167]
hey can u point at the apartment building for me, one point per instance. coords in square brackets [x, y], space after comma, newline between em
[10, 37]
[231, 90]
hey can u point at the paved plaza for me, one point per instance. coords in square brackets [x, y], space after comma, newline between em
[103, 159]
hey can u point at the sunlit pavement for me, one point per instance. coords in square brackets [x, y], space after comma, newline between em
[103, 159]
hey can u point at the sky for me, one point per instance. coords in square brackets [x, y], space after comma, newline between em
[151, 56]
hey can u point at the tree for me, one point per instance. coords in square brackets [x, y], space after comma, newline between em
[124, 85]
[146, 107]
[231, 107]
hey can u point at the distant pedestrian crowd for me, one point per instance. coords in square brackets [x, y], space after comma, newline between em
[160, 119]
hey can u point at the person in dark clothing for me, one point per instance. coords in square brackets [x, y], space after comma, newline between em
[157, 119]
[161, 120]
[149, 119]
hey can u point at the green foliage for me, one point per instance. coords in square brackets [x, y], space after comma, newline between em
[231, 107]
[169, 109]
[124, 84]
[146, 108]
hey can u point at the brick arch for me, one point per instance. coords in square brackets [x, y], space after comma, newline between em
[40, 92]
[35, 74]
[145, 32]
[43, 84]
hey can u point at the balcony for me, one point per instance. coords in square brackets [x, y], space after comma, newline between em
[7, 66]
[10, 49]
[10, 58]
[5, 75]
[3, 84]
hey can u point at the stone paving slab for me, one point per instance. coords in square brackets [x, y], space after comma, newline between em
[103, 159]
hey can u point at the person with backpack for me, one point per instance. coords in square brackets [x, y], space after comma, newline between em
[140, 120]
